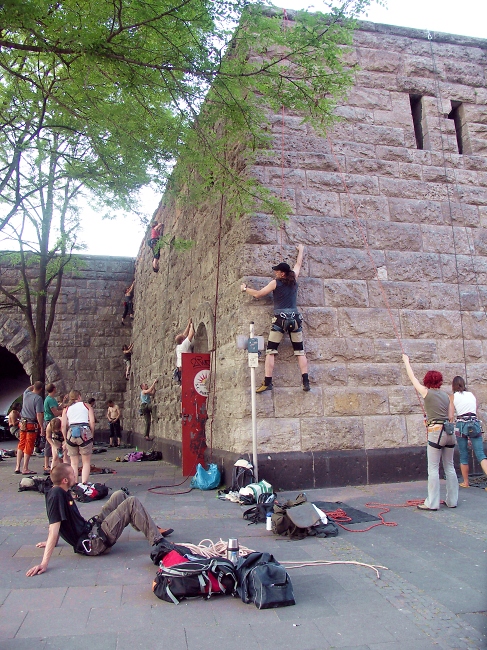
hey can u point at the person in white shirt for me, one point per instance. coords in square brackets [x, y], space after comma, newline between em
[467, 422]
[184, 343]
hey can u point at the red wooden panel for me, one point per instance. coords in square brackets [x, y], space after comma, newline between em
[195, 371]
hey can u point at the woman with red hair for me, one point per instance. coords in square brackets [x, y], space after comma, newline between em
[441, 445]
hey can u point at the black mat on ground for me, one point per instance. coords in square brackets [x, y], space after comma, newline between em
[357, 516]
[477, 480]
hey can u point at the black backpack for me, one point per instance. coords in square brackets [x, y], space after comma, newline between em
[87, 492]
[258, 514]
[264, 582]
[197, 577]
[241, 477]
[36, 484]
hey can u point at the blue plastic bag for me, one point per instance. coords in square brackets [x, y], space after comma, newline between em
[206, 479]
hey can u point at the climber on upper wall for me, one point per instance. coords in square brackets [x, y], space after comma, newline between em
[286, 318]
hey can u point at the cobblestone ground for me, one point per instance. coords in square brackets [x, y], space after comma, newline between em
[432, 595]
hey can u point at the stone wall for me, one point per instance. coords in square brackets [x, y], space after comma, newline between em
[423, 213]
[85, 349]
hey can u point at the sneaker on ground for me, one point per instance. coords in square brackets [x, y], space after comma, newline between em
[262, 388]
[306, 386]
[165, 531]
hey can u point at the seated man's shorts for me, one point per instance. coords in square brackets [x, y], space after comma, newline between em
[277, 332]
[27, 440]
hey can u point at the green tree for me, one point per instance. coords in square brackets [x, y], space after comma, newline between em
[99, 98]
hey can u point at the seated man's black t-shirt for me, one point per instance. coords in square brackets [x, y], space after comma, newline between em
[61, 507]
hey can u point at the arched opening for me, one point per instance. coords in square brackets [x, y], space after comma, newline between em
[201, 339]
[13, 379]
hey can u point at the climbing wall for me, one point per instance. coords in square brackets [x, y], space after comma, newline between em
[392, 210]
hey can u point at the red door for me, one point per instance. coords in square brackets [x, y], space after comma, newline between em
[195, 371]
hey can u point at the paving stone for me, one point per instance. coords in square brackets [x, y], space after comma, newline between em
[95, 641]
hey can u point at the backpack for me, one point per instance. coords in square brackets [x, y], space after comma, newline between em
[253, 491]
[87, 492]
[36, 484]
[191, 576]
[264, 582]
[258, 514]
[281, 522]
[242, 475]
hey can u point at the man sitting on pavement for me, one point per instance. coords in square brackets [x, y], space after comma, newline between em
[92, 537]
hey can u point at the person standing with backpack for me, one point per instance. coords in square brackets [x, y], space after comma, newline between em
[78, 427]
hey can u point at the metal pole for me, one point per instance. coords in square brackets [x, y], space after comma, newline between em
[254, 415]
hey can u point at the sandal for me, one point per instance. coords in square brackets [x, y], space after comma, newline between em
[463, 485]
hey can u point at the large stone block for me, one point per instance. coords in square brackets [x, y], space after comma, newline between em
[416, 211]
[315, 202]
[383, 431]
[323, 231]
[344, 263]
[332, 433]
[409, 189]
[328, 374]
[400, 295]
[335, 182]
[429, 324]
[339, 350]
[371, 166]
[321, 321]
[364, 207]
[389, 350]
[406, 237]
[370, 98]
[377, 374]
[416, 431]
[338, 401]
[350, 293]
[292, 402]
[370, 323]
[453, 351]
[403, 400]
[413, 266]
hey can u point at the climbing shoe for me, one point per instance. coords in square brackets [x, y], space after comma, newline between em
[263, 387]
[306, 385]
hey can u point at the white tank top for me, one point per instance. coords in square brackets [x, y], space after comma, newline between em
[464, 403]
[77, 413]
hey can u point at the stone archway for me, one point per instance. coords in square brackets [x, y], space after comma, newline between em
[203, 323]
[13, 379]
[15, 339]
[201, 339]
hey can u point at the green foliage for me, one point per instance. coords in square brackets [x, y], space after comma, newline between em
[98, 98]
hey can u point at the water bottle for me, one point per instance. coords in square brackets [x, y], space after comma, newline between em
[268, 521]
[232, 550]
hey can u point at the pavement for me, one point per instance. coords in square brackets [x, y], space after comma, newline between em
[432, 595]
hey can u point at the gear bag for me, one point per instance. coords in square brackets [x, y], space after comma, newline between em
[87, 492]
[192, 576]
[242, 475]
[264, 582]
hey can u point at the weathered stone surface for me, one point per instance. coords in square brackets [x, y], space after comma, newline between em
[350, 293]
[370, 323]
[332, 433]
[292, 402]
[384, 431]
[430, 324]
[424, 216]
[355, 401]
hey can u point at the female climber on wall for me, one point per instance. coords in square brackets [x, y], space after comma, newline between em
[441, 444]
[468, 427]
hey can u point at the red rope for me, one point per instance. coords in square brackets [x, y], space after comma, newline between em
[340, 517]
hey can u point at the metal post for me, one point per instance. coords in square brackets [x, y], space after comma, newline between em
[254, 413]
